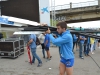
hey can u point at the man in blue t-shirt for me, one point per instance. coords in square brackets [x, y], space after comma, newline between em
[88, 46]
[32, 44]
[47, 45]
[65, 42]
[81, 46]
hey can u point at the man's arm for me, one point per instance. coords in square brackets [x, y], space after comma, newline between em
[60, 40]
[46, 42]
[29, 42]
[82, 38]
[46, 37]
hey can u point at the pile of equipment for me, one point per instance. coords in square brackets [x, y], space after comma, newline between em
[11, 47]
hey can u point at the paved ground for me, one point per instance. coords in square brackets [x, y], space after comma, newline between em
[20, 66]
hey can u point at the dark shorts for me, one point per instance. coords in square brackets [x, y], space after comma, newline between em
[68, 62]
[42, 45]
[47, 48]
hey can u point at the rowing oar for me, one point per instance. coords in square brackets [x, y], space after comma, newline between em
[29, 55]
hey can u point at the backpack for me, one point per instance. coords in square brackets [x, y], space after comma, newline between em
[37, 41]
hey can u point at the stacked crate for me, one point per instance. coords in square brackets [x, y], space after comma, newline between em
[21, 46]
[11, 47]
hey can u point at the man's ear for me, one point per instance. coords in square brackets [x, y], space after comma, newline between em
[63, 28]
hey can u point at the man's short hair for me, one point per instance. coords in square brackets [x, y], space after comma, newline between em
[62, 24]
[46, 29]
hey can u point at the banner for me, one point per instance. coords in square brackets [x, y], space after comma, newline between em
[44, 11]
[5, 21]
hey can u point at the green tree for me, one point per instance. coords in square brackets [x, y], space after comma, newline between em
[54, 23]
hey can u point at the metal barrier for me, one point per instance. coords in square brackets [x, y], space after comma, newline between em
[74, 5]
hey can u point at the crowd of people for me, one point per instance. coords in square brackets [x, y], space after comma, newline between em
[85, 45]
[66, 43]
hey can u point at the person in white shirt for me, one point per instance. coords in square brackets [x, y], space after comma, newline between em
[41, 38]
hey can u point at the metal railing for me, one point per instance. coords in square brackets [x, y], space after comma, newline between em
[75, 5]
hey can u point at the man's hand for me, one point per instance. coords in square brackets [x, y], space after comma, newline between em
[85, 39]
[55, 36]
[43, 24]
[27, 44]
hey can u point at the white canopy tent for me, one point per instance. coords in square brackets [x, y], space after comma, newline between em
[13, 21]
[20, 22]
[26, 32]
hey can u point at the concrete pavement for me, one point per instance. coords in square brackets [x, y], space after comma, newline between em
[20, 66]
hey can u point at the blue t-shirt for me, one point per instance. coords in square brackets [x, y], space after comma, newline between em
[74, 38]
[82, 41]
[88, 40]
[33, 44]
[47, 38]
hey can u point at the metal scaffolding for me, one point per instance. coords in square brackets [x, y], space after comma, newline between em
[53, 15]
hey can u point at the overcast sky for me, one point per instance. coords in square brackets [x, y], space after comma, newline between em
[91, 24]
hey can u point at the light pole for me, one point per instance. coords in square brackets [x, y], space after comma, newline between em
[53, 12]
